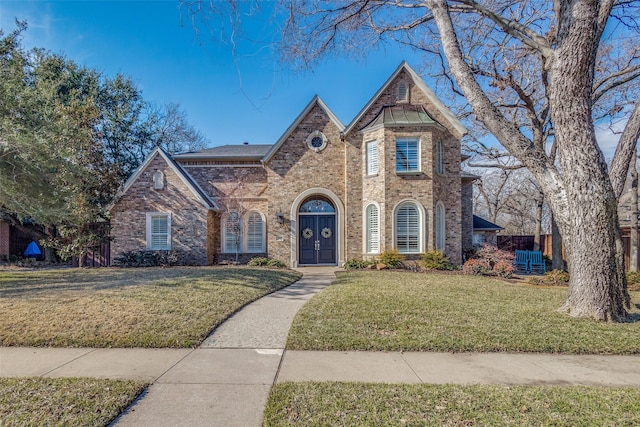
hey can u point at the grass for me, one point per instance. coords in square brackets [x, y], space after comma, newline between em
[64, 401]
[155, 307]
[350, 404]
[396, 311]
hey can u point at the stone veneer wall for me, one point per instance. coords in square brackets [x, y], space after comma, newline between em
[294, 169]
[189, 218]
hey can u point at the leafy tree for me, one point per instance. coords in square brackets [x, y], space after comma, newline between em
[537, 75]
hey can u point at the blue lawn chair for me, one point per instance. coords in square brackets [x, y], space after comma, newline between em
[521, 261]
[536, 263]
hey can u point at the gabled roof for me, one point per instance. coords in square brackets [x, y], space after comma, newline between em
[228, 152]
[193, 186]
[315, 100]
[484, 225]
[451, 118]
[401, 115]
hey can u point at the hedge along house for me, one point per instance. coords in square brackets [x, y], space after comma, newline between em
[322, 194]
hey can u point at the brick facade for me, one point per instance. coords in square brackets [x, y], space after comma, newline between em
[277, 182]
[4, 239]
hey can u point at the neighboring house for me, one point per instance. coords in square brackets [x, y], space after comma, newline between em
[322, 194]
[485, 232]
[15, 237]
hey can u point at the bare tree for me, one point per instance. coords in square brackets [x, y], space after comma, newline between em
[528, 72]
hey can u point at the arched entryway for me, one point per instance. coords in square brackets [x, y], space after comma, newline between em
[317, 237]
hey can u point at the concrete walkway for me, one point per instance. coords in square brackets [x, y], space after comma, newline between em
[227, 380]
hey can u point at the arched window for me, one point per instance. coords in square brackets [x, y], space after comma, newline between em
[439, 156]
[158, 180]
[232, 233]
[255, 233]
[372, 221]
[403, 91]
[407, 228]
[440, 230]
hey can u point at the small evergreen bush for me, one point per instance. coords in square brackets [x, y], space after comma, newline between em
[276, 263]
[552, 278]
[392, 259]
[258, 262]
[355, 264]
[436, 260]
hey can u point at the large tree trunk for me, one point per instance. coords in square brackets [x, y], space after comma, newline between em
[557, 257]
[538, 230]
[597, 285]
[633, 229]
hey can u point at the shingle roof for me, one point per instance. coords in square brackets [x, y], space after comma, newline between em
[229, 152]
[483, 224]
[401, 115]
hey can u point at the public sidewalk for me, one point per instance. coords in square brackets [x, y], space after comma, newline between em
[226, 381]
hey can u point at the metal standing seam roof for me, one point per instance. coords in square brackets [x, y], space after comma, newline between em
[402, 115]
[228, 152]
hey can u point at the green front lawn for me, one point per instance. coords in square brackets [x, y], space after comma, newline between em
[357, 404]
[394, 311]
[106, 307]
[64, 401]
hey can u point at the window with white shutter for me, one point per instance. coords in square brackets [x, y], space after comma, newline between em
[373, 229]
[372, 158]
[158, 231]
[407, 155]
[407, 228]
[255, 233]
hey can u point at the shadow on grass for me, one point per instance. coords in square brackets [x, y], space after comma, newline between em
[27, 284]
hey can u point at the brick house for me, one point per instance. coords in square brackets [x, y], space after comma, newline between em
[322, 194]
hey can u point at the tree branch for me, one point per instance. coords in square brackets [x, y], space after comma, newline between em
[624, 152]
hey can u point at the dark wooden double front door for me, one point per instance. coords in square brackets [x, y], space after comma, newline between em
[317, 239]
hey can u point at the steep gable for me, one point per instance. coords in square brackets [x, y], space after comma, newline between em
[440, 113]
[193, 187]
[314, 101]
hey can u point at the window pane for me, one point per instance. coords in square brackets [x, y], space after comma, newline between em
[159, 232]
[440, 227]
[232, 233]
[439, 166]
[255, 227]
[407, 155]
[407, 229]
[318, 205]
[373, 230]
[372, 158]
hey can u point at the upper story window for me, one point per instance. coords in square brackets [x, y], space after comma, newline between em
[439, 157]
[407, 155]
[372, 158]
[317, 141]
[158, 231]
[158, 180]
[403, 91]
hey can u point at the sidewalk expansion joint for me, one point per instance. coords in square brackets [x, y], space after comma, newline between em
[70, 361]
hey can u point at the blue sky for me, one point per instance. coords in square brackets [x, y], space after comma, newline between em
[230, 98]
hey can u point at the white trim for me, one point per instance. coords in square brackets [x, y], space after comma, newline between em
[365, 227]
[315, 100]
[367, 162]
[247, 216]
[148, 226]
[293, 214]
[453, 121]
[312, 136]
[421, 224]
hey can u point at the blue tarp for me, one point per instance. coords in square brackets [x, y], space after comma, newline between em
[32, 250]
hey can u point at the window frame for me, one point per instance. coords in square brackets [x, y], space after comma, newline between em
[149, 217]
[418, 155]
[439, 158]
[247, 234]
[371, 167]
[420, 229]
[225, 234]
[370, 231]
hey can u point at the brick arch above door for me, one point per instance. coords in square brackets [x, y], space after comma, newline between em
[295, 208]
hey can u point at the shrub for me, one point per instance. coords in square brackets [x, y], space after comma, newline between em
[493, 255]
[276, 263]
[552, 278]
[633, 280]
[436, 260]
[476, 266]
[503, 269]
[392, 259]
[258, 262]
[354, 264]
[149, 259]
